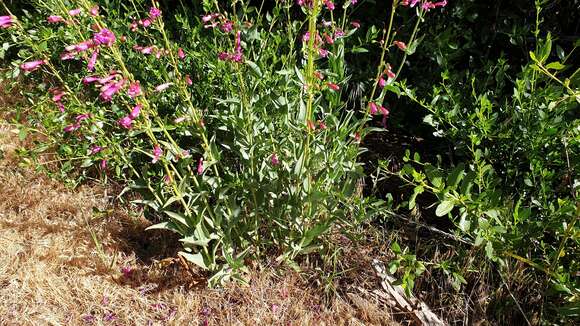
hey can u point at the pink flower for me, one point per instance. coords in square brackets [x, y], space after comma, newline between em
[227, 26]
[385, 113]
[373, 108]
[200, 166]
[355, 24]
[32, 65]
[382, 82]
[110, 89]
[333, 86]
[357, 137]
[90, 79]
[163, 87]
[274, 159]
[181, 54]
[54, 19]
[134, 89]
[93, 60]
[154, 12]
[57, 95]
[6, 21]
[306, 37]
[60, 106]
[125, 122]
[145, 22]
[75, 12]
[223, 56]
[323, 53]
[338, 33]
[157, 152]
[94, 11]
[135, 112]
[389, 72]
[104, 36]
[329, 4]
[321, 125]
[440, 3]
[71, 128]
[188, 80]
[401, 45]
[103, 164]
[82, 117]
[127, 271]
[328, 39]
[95, 149]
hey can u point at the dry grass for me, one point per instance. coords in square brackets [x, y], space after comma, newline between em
[53, 273]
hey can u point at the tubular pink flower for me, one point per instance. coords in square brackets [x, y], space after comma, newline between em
[333, 86]
[200, 166]
[328, 39]
[401, 45]
[188, 80]
[329, 4]
[79, 118]
[32, 65]
[103, 164]
[90, 79]
[227, 26]
[71, 128]
[181, 54]
[6, 21]
[107, 91]
[94, 11]
[274, 159]
[355, 24]
[323, 53]
[57, 95]
[154, 12]
[145, 22]
[157, 152]
[54, 19]
[373, 108]
[163, 87]
[93, 60]
[75, 12]
[134, 89]
[382, 82]
[105, 37]
[125, 122]
[135, 112]
[223, 56]
[95, 149]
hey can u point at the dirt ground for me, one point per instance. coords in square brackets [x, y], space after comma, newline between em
[70, 257]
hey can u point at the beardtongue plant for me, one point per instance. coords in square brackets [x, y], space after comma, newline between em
[235, 131]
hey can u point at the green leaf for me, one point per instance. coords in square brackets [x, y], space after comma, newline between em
[196, 259]
[555, 65]
[395, 247]
[444, 208]
[456, 175]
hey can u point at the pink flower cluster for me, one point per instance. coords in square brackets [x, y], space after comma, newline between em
[426, 5]
[77, 124]
[154, 13]
[390, 75]
[103, 37]
[214, 20]
[109, 85]
[57, 95]
[374, 109]
[32, 65]
[237, 56]
[127, 121]
[6, 21]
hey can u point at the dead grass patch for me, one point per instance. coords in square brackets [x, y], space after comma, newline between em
[53, 273]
